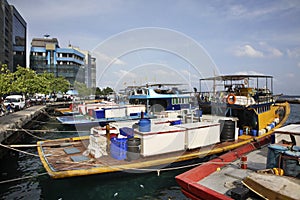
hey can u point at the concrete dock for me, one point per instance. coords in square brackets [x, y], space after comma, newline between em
[20, 119]
[17, 120]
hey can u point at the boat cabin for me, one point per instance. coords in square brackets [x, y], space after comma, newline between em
[158, 97]
[250, 98]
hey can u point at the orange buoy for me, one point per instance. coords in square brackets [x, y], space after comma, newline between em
[231, 99]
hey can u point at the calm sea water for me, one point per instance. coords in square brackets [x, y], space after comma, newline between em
[111, 186]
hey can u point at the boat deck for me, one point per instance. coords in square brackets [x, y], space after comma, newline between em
[230, 176]
[254, 166]
[66, 157]
[67, 154]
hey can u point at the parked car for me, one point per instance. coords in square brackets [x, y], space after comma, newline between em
[15, 101]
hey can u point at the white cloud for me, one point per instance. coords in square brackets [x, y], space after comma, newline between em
[275, 52]
[237, 10]
[294, 53]
[248, 51]
[249, 12]
[265, 50]
[290, 75]
[270, 51]
[100, 57]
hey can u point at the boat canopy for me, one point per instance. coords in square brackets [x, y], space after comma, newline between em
[235, 77]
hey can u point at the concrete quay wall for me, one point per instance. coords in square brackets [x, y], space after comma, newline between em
[17, 120]
[21, 119]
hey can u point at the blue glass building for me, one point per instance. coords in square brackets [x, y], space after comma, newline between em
[47, 56]
[12, 37]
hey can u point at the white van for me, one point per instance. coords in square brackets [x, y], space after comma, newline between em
[17, 100]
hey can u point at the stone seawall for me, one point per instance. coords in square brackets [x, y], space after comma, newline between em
[17, 120]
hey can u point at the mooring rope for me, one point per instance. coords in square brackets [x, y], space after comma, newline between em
[176, 168]
[42, 122]
[47, 114]
[23, 178]
[32, 135]
[47, 130]
[31, 154]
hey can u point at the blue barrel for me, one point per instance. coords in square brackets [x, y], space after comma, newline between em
[198, 113]
[241, 132]
[254, 132]
[145, 125]
[126, 131]
[118, 148]
[176, 122]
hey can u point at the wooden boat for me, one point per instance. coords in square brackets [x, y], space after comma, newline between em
[73, 108]
[101, 114]
[255, 166]
[156, 144]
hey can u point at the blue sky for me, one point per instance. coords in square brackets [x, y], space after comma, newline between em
[249, 37]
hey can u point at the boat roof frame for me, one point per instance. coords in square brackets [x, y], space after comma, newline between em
[235, 77]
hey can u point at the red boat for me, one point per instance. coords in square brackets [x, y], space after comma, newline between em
[228, 176]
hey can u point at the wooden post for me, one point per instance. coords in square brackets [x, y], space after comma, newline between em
[142, 115]
[108, 138]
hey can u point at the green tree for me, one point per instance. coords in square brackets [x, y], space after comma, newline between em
[82, 89]
[107, 90]
[26, 81]
[98, 92]
[6, 79]
[60, 84]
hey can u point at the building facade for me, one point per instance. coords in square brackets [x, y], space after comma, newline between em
[89, 68]
[47, 56]
[93, 72]
[13, 37]
[19, 39]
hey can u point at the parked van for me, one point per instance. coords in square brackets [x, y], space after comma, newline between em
[17, 100]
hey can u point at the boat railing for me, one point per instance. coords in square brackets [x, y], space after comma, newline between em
[246, 96]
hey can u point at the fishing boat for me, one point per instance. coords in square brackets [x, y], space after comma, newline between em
[103, 113]
[150, 144]
[257, 169]
[250, 98]
[73, 108]
[160, 97]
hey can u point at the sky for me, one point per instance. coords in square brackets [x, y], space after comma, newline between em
[175, 41]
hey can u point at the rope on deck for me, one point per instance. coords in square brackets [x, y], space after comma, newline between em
[31, 154]
[23, 178]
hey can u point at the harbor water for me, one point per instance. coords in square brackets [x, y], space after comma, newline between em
[108, 186]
